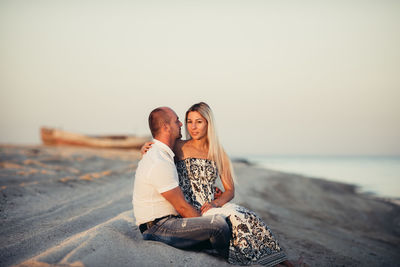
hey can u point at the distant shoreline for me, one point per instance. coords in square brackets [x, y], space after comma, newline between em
[373, 175]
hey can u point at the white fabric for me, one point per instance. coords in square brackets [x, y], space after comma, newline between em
[155, 174]
[226, 210]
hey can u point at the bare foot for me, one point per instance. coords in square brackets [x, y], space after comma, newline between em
[299, 262]
[287, 263]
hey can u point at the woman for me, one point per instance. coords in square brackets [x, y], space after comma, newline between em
[200, 160]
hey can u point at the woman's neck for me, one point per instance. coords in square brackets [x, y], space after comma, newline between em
[201, 144]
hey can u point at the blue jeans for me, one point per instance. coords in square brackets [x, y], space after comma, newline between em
[189, 232]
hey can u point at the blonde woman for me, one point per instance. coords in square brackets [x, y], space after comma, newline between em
[200, 161]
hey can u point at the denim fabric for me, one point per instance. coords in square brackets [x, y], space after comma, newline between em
[189, 232]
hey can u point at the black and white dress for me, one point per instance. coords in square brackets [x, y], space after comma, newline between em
[252, 241]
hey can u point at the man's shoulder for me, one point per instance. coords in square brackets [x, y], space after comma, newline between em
[156, 157]
[156, 167]
[153, 165]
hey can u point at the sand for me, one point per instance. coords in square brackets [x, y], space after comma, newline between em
[66, 206]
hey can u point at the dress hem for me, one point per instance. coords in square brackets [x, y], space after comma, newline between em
[272, 260]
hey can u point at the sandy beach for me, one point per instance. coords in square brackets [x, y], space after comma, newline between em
[67, 206]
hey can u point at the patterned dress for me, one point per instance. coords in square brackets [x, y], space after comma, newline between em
[252, 241]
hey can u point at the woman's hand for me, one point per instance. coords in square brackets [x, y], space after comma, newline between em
[218, 192]
[207, 206]
[146, 147]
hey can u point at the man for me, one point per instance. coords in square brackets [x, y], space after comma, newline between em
[160, 208]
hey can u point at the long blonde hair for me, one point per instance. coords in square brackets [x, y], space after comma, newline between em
[215, 150]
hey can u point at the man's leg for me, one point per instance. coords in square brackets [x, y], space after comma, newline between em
[188, 232]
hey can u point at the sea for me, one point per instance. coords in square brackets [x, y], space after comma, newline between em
[377, 175]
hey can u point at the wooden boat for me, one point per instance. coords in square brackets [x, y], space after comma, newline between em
[51, 136]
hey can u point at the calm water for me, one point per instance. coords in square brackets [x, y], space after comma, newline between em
[375, 174]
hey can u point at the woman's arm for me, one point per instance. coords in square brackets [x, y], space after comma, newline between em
[177, 147]
[227, 182]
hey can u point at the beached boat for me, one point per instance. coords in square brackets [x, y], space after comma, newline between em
[51, 136]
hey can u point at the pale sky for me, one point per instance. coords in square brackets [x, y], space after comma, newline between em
[282, 77]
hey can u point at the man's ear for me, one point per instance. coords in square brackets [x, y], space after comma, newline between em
[166, 127]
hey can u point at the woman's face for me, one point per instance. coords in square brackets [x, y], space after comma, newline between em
[196, 125]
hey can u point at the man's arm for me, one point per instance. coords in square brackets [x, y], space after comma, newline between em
[176, 198]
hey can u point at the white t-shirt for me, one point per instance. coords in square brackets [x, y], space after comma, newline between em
[155, 174]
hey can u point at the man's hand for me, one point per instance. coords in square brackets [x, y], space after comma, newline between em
[145, 147]
[207, 206]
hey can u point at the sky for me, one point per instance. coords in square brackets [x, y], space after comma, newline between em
[282, 77]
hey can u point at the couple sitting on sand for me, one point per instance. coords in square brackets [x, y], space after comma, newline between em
[177, 202]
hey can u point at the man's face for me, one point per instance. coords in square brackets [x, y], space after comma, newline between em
[175, 125]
